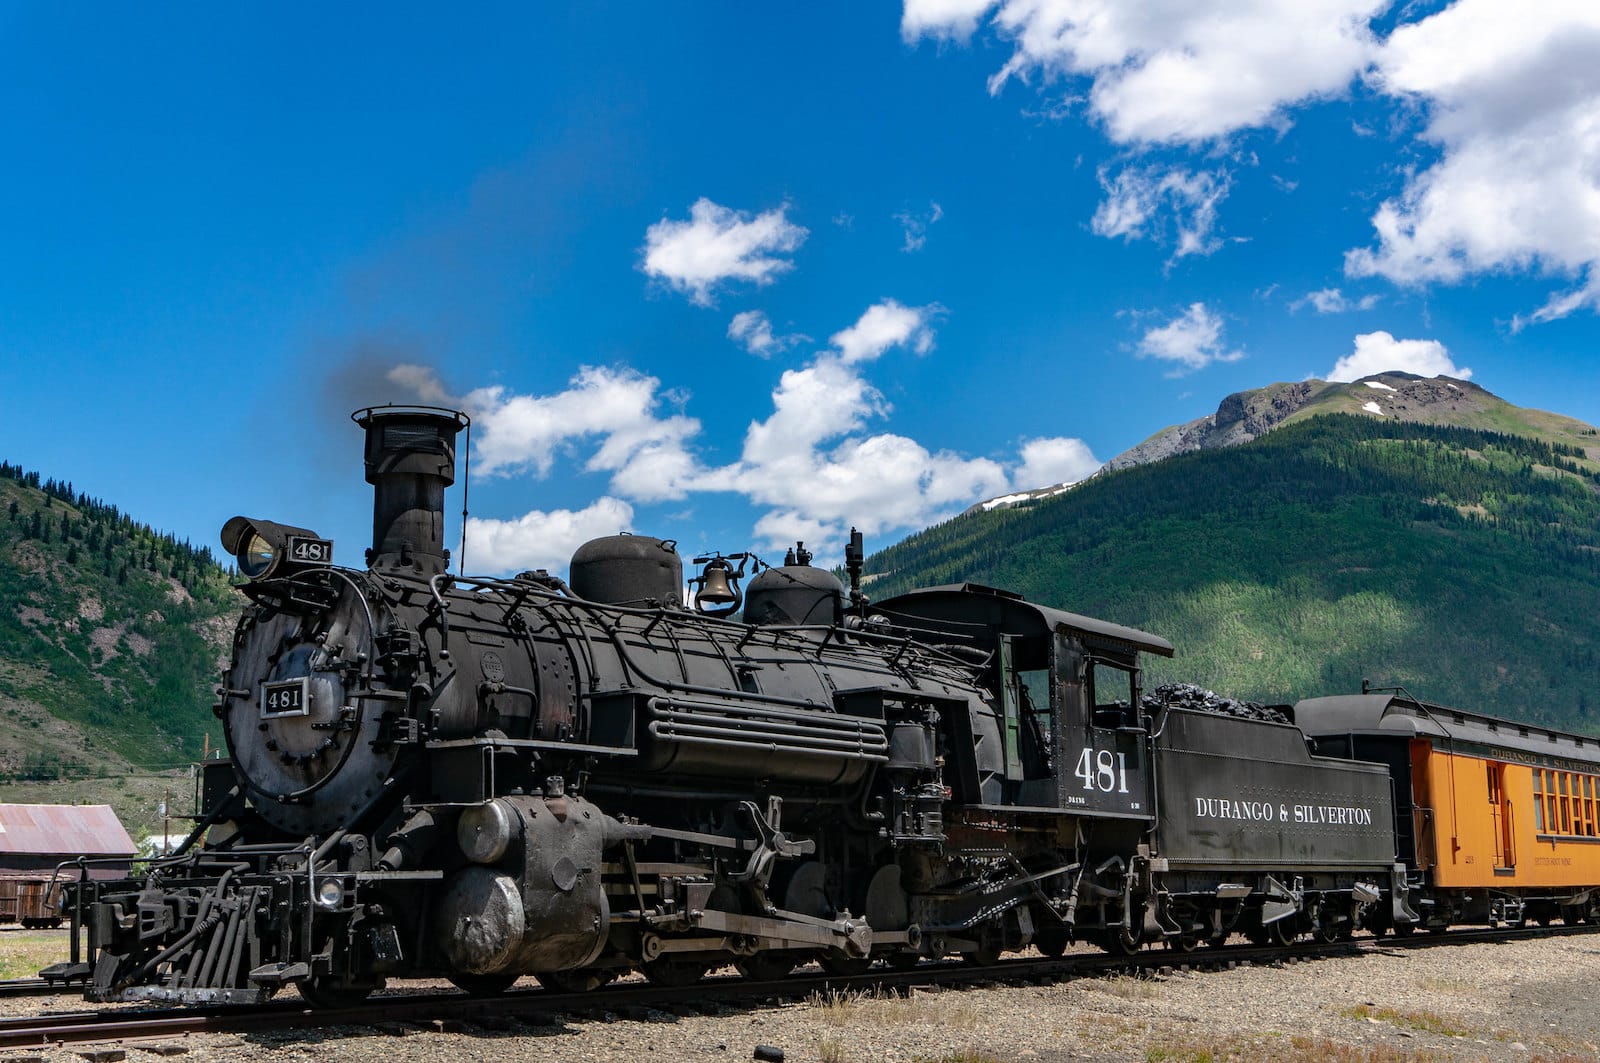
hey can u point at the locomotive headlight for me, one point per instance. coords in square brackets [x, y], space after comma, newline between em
[330, 894]
[264, 548]
[256, 556]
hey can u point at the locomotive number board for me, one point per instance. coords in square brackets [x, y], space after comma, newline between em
[288, 697]
[307, 551]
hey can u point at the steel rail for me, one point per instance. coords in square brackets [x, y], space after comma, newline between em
[35, 987]
[447, 1010]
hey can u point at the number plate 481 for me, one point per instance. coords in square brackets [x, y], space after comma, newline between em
[1103, 770]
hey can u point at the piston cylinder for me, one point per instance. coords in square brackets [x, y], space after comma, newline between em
[532, 899]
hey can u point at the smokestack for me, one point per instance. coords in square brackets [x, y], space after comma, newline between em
[411, 459]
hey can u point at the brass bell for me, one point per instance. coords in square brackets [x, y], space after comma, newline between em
[716, 589]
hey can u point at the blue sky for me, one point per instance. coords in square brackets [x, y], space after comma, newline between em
[734, 275]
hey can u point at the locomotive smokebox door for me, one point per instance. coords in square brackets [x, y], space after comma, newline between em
[1101, 739]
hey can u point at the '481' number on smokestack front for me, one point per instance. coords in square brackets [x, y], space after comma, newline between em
[1101, 769]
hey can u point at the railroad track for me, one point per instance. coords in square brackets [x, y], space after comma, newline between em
[538, 1007]
[36, 987]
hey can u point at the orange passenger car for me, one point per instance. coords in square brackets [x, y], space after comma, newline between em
[1498, 821]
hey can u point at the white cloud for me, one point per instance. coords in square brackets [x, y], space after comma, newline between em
[781, 529]
[1047, 462]
[874, 482]
[1561, 304]
[885, 325]
[915, 226]
[1380, 352]
[942, 18]
[1172, 72]
[1138, 199]
[425, 382]
[812, 465]
[829, 398]
[1512, 97]
[753, 330]
[821, 401]
[1333, 301]
[717, 245]
[614, 409]
[1508, 96]
[539, 539]
[1193, 340]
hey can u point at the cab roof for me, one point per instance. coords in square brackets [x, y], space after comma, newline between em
[973, 610]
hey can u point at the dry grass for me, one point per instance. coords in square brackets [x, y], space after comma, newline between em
[1279, 1049]
[1567, 1049]
[1440, 983]
[831, 1050]
[961, 1011]
[1125, 986]
[1420, 1021]
[24, 952]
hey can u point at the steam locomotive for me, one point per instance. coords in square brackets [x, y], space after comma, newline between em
[433, 775]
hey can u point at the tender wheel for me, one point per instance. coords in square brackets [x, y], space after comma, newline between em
[902, 961]
[579, 981]
[675, 972]
[766, 966]
[1051, 941]
[326, 995]
[1404, 930]
[985, 955]
[1119, 942]
[1279, 934]
[482, 985]
[1184, 942]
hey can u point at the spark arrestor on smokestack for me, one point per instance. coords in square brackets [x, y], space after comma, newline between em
[410, 460]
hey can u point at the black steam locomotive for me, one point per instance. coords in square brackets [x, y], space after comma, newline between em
[481, 779]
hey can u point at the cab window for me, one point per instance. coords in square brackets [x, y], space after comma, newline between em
[1111, 693]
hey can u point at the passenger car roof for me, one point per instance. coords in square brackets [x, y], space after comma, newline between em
[1396, 714]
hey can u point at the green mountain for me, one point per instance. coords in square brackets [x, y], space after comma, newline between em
[110, 638]
[1248, 415]
[1331, 547]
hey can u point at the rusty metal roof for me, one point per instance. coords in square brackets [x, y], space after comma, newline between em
[63, 830]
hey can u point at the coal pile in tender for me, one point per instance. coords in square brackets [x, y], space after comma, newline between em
[1199, 699]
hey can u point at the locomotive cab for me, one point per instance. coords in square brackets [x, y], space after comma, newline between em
[1065, 730]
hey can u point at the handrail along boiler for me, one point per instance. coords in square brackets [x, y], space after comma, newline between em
[484, 778]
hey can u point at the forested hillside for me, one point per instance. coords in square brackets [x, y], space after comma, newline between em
[1462, 564]
[110, 635]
